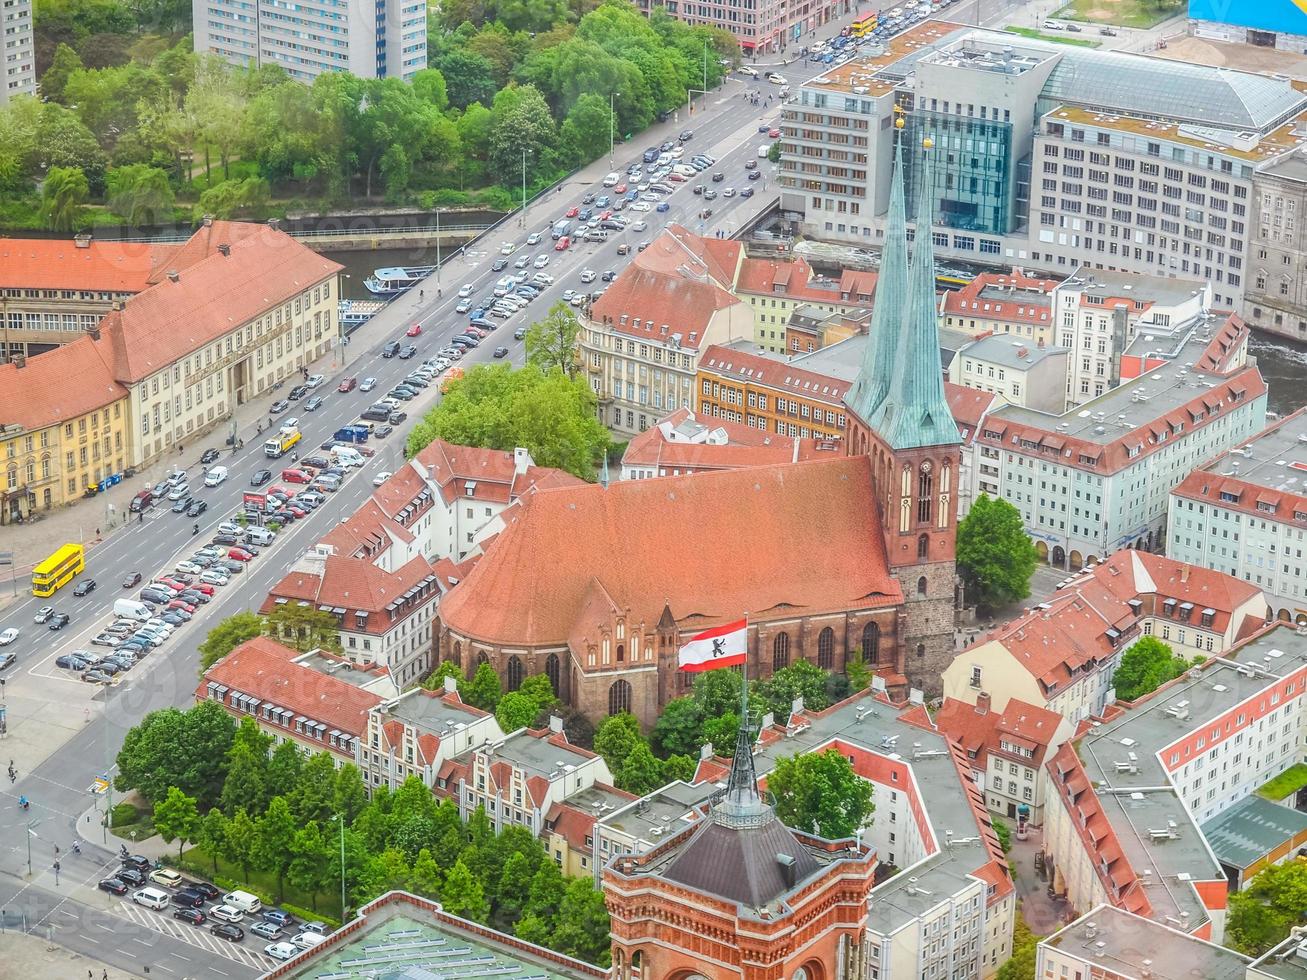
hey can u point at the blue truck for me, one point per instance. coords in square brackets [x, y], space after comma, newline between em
[352, 433]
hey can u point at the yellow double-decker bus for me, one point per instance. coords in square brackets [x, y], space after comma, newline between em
[863, 26]
[58, 570]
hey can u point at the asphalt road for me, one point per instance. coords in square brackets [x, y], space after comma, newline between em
[60, 781]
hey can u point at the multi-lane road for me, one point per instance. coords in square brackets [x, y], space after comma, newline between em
[64, 733]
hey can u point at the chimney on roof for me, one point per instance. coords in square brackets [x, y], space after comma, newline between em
[224, 249]
[20, 361]
[1184, 572]
[556, 724]
[208, 221]
[94, 331]
[174, 275]
[982, 703]
[521, 460]
[787, 864]
[82, 241]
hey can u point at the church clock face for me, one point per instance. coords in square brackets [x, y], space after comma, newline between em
[925, 468]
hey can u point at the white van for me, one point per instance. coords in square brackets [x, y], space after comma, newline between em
[346, 456]
[307, 940]
[612, 179]
[244, 901]
[259, 535]
[151, 898]
[215, 476]
[131, 609]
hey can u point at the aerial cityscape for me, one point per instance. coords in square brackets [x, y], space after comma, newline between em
[633, 490]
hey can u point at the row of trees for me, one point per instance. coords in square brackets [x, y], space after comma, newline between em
[270, 809]
[499, 105]
[303, 628]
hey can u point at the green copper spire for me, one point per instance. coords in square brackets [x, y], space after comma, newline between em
[873, 381]
[915, 412]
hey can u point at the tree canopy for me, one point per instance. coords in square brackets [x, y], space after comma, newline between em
[1262, 914]
[995, 556]
[497, 407]
[228, 635]
[1146, 665]
[174, 748]
[819, 792]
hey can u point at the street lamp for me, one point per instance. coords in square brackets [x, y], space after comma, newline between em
[340, 817]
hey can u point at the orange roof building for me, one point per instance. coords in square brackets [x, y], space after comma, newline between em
[629, 571]
[1013, 304]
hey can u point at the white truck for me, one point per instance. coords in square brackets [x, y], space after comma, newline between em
[131, 609]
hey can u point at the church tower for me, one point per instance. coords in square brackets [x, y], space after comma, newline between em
[899, 416]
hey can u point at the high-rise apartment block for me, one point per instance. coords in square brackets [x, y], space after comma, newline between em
[1052, 157]
[20, 52]
[386, 39]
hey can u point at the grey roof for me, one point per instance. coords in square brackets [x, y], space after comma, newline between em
[431, 714]
[1002, 349]
[1290, 167]
[1122, 944]
[743, 865]
[1275, 458]
[673, 807]
[1167, 89]
[1248, 831]
[1287, 961]
[1161, 290]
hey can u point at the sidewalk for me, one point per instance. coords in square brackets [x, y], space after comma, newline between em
[32, 958]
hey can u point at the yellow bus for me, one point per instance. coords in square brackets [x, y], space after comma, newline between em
[58, 570]
[863, 26]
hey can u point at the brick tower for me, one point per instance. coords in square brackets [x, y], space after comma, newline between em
[899, 416]
[739, 896]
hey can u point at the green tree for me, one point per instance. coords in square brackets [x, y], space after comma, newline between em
[857, 671]
[311, 868]
[303, 627]
[1146, 665]
[496, 407]
[532, 929]
[1025, 950]
[641, 773]
[468, 78]
[186, 749]
[425, 877]
[177, 818]
[349, 795]
[820, 793]
[212, 835]
[63, 193]
[463, 895]
[313, 796]
[546, 895]
[616, 738]
[515, 710]
[721, 731]
[56, 76]
[522, 131]
[551, 342]
[483, 690]
[285, 765]
[539, 689]
[995, 556]
[429, 87]
[679, 729]
[241, 842]
[139, 194]
[234, 198]
[274, 841]
[384, 872]
[1261, 915]
[583, 925]
[680, 767]
[227, 636]
[246, 785]
[436, 679]
[586, 130]
[799, 680]
[514, 889]
[774, 152]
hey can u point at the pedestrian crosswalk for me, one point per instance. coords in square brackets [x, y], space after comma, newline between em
[198, 936]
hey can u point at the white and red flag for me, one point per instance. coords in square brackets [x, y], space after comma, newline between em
[722, 646]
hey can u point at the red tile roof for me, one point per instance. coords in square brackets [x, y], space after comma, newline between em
[980, 730]
[1026, 299]
[675, 286]
[101, 267]
[214, 294]
[357, 585]
[265, 669]
[59, 385]
[793, 280]
[699, 544]
[969, 407]
[770, 373]
[452, 467]
[746, 446]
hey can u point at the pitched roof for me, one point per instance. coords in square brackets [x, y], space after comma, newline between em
[357, 585]
[265, 669]
[1015, 298]
[100, 267]
[980, 730]
[495, 472]
[969, 407]
[698, 543]
[58, 385]
[213, 294]
[773, 373]
[794, 280]
[677, 283]
[717, 445]
[741, 865]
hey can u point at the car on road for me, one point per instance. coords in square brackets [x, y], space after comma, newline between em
[389, 350]
[282, 951]
[1052, 25]
[718, 177]
[8, 636]
[624, 249]
[710, 195]
[194, 916]
[347, 384]
[663, 207]
[540, 262]
[113, 886]
[279, 406]
[755, 174]
[463, 306]
[588, 275]
[131, 580]
[179, 506]
[533, 238]
[226, 913]
[7, 659]
[414, 331]
[367, 384]
[196, 507]
[407, 351]
[260, 477]
[747, 192]
[208, 456]
[728, 192]
[774, 133]
[313, 381]
[498, 264]
[166, 877]
[562, 244]
[43, 614]
[131, 876]
[225, 930]
[59, 621]
[313, 404]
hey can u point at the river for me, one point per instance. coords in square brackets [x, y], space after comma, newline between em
[359, 265]
[1284, 366]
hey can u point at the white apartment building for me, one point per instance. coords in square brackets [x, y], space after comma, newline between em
[1060, 157]
[387, 39]
[20, 49]
[1018, 372]
[1062, 655]
[1132, 795]
[642, 340]
[1245, 513]
[1096, 478]
[1119, 325]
